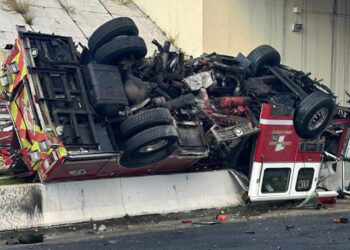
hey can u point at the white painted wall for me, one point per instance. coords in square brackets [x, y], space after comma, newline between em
[322, 47]
[182, 20]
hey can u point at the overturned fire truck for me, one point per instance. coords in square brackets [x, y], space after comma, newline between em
[106, 110]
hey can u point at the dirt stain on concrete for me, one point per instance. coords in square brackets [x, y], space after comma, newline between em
[32, 202]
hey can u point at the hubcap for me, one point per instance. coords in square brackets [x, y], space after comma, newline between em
[318, 118]
[153, 146]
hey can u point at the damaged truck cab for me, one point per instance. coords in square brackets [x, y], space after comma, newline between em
[285, 166]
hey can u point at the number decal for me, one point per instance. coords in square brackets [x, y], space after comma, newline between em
[303, 184]
[77, 172]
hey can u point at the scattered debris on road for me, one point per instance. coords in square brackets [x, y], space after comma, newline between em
[11, 241]
[222, 217]
[102, 228]
[249, 232]
[206, 223]
[343, 220]
[28, 238]
[186, 221]
[31, 238]
[289, 227]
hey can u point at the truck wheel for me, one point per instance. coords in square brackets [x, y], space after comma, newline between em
[130, 161]
[121, 26]
[114, 50]
[145, 120]
[263, 55]
[313, 114]
[151, 141]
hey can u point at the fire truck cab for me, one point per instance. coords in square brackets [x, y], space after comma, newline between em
[284, 165]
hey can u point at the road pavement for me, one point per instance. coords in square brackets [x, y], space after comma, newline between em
[312, 231]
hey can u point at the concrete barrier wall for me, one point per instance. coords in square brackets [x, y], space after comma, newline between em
[24, 206]
[20, 206]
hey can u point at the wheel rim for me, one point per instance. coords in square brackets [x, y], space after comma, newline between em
[153, 146]
[318, 118]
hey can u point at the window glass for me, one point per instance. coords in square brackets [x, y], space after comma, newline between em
[276, 180]
[304, 180]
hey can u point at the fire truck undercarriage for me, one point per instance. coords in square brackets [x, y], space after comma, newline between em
[107, 111]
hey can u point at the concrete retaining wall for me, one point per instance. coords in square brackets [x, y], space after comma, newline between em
[24, 206]
[87, 15]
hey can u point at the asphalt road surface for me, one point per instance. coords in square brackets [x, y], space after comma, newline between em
[298, 232]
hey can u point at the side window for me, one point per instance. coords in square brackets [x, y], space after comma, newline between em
[304, 180]
[276, 180]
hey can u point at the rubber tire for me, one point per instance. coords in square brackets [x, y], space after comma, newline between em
[262, 56]
[305, 110]
[145, 120]
[119, 47]
[166, 132]
[130, 161]
[121, 26]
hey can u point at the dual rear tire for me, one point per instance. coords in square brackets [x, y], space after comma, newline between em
[116, 39]
[150, 137]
